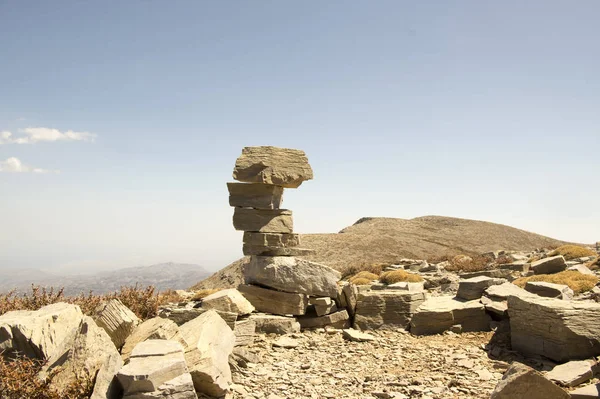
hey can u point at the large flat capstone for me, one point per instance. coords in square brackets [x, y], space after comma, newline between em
[272, 165]
[560, 330]
[291, 274]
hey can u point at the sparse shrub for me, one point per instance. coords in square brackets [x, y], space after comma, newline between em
[142, 302]
[354, 269]
[364, 275]
[468, 264]
[361, 281]
[18, 380]
[397, 276]
[503, 260]
[576, 281]
[198, 295]
[169, 296]
[573, 252]
[438, 259]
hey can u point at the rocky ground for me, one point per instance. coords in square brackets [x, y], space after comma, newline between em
[396, 364]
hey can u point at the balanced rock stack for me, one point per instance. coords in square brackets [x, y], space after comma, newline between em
[275, 280]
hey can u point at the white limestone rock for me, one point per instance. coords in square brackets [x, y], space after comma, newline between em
[116, 319]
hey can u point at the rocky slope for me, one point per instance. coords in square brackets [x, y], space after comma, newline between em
[387, 240]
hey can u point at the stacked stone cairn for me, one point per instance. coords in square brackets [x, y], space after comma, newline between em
[277, 281]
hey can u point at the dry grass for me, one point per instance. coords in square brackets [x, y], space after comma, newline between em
[198, 295]
[18, 380]
[503, 260]
[361, 281]
[364, 275]
[397, 276]
[461, 263]
[142, 301]
[169, 296]
[572, 252]
[576, 281]
[373, 268]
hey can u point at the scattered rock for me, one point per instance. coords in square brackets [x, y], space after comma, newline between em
[582, 269]
[337, 320]
[551, 265]
[286, 342]
[117, 320]
[357, 336]
[229, 300]
[572, 373]
[591, 391]
[245, 331]
[155, 328]
[438, 314]
[473, 288]
[521, 381]
[270, 324]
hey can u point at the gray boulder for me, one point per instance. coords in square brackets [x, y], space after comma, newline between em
[386, 309]
[473, 287]
[560, 330]
[271, 324]
[336, 320]
[549, 290]
[155, 328]
[117, 320]
[439, 314]
[228, 300]
[275, 302]
[521, 381]
[551, 265]
[292, 275]
[572, 373]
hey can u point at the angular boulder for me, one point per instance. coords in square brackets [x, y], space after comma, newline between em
[257, 195]
[270, 324]
[583, 269]
[116, 319]
[591, 391]
[292, 275]
[323, 305]
[572, 373]
[210, 341]
[263, 220]
[88, 353]
[439, 314]
[38, 334]
[228, 300]
[180, 387]
[336, 320]
[275, 302]
[520, 381]
[386, 309]
[245, 331]
[549, 290]
[551, 265]
[271, 239]
[152, 364]
[560, 330]
[349, 294]
[272, 165]
[474, 287]
[155, 328]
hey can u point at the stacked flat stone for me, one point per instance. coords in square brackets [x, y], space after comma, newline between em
[276, 281]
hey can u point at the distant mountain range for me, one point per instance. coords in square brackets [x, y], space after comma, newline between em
[162, 276]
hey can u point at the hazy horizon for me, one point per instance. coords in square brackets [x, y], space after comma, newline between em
[120, 122]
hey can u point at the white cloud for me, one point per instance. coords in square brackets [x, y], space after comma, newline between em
[32, 135]
[14, 165]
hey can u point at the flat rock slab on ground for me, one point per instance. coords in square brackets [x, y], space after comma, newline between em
[273, 324]
[228, 300]
[439, 314]
[472, 288]
[272, 165]
[386, 309]
[549, 290]
[591, 391]
[572, 373]
[357, 336]
[551, 265]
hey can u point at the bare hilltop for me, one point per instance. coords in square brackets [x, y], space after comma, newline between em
[387, 240]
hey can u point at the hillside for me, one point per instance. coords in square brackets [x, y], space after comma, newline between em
[386, 240]
[162, 276]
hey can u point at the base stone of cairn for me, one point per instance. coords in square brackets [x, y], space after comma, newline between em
[277, 282]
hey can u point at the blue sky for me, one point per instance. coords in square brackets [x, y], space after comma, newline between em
[477, 109]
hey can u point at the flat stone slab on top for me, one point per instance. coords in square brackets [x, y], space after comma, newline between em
[284, 167]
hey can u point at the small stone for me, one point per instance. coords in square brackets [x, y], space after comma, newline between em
[357, 336]
[286, 342]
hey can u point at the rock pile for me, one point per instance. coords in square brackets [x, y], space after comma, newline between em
[276, 280]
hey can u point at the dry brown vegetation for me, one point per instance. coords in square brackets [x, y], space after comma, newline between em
[573, 252]
[19, 380]
[142, 301]
[576, 281]
[468, 264]
[397, 276]
[364, 275]
[361, 281]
